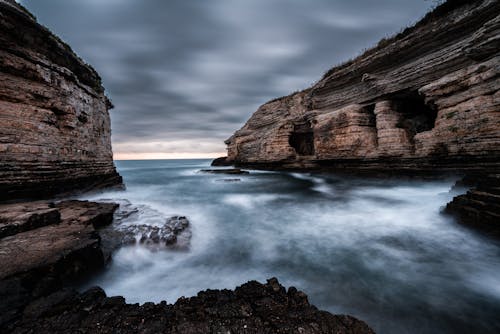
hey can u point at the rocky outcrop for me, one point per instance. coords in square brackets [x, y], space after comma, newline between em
[174, 233]
[480, 206]
[250, 308]
[425, 99]
[49, 246]
[54, 122]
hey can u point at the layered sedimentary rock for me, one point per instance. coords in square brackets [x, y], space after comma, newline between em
[47, 246]
[427, 98]
[480, 206]
[54, 122]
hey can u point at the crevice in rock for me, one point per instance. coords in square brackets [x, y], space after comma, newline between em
[416, 115]
[372, 119]
[302, 139]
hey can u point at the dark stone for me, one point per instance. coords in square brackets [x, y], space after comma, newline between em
[175, 232]
[42, 260]
[250, 308]
[480, 206]
[221, 161]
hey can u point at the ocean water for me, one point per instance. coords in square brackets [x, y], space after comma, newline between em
[379, 250]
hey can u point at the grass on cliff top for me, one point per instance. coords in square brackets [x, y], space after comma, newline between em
[441, 9]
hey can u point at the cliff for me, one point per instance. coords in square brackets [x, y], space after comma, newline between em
[55, 131]
[425, 99]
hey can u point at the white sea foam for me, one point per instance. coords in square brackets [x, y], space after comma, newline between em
[378, 250]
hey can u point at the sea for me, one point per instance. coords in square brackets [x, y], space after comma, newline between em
[378, 249]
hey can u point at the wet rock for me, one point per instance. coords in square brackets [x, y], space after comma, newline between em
[251, 308]
[173, 233]
[221, 161]
[480, 206]
[41, 260]
[21, 217]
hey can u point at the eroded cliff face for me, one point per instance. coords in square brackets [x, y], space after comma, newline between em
[428, 98]
[54, 122]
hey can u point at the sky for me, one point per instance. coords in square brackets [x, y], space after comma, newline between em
[185, 74]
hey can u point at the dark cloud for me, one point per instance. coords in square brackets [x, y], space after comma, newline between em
[185, 74]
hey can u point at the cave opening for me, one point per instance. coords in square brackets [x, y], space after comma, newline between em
[370, 111]
[417, 116]
[302, 139]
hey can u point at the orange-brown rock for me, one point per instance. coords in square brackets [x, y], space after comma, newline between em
[427, 98]
[54, 123]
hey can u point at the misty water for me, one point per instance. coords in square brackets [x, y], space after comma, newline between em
[379, 250]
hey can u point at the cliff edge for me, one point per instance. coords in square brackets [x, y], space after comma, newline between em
[55, 133]
[426, 99]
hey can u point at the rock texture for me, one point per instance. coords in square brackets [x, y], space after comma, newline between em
[480, 206]
[251, 308]
[427, 98]
[58, 246]
[54, 122]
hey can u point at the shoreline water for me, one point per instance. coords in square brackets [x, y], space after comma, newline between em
[382, 246]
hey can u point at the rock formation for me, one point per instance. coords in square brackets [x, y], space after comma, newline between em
[480, 206]
[425, 99]
[54, 123]
[48, 246]
[252, 308]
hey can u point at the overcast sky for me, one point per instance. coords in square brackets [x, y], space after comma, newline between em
[185, 74]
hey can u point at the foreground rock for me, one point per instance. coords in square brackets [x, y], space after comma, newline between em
[426, 99]
[480, 206]
[50, 245]
[250, 308]
[55, 133]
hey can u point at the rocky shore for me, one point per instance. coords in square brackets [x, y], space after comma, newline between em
[423, 102]
[46, 248]
[251, 308]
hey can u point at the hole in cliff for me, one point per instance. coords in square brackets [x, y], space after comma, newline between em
[417, 115]
[302, 139]
[370, 111]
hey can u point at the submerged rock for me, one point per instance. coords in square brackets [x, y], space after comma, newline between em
[174, 233]
[143, 225]
[251, 308]
[225, 171]
[228, 180]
